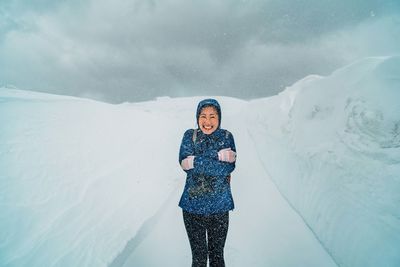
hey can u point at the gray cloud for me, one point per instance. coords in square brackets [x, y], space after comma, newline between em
[135, 50]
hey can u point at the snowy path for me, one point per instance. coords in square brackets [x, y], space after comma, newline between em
[264, 229]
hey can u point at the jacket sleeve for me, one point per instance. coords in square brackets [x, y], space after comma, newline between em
[187, 148]
[208, 164]
[231, 142]
[204, 165]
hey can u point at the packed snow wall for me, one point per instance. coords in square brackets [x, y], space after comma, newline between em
[333, 150]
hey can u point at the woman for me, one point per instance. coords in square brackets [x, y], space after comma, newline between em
[207, 154]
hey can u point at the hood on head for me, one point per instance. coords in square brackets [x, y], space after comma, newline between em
[206, 103]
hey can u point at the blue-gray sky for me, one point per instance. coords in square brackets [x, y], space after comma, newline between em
[126, 50]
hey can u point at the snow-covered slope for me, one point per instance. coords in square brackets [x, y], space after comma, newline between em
[79, 177]
[332, 146]
[84, 183]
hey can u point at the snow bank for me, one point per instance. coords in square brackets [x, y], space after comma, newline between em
[78, 177]
[332, 146]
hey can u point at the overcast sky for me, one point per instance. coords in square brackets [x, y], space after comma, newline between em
[120, 50]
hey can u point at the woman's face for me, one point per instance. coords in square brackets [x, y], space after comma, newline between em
[208, 120]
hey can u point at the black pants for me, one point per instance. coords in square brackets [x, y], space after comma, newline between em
[207, 235]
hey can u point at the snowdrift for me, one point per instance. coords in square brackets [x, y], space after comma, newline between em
[79, 177]
[332, 146]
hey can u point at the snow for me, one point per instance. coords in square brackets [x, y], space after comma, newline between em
[341, 139]
[85, 183]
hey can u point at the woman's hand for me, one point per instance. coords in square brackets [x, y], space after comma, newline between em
[187, 163]
[227, 155]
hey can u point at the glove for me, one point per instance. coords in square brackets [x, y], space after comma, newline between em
[227, 155]
[187, 163]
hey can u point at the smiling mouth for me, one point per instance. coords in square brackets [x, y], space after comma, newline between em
[208, 127]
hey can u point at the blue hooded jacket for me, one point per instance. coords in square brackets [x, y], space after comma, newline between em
[207, 189]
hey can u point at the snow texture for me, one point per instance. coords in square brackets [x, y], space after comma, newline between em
[85, 183]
